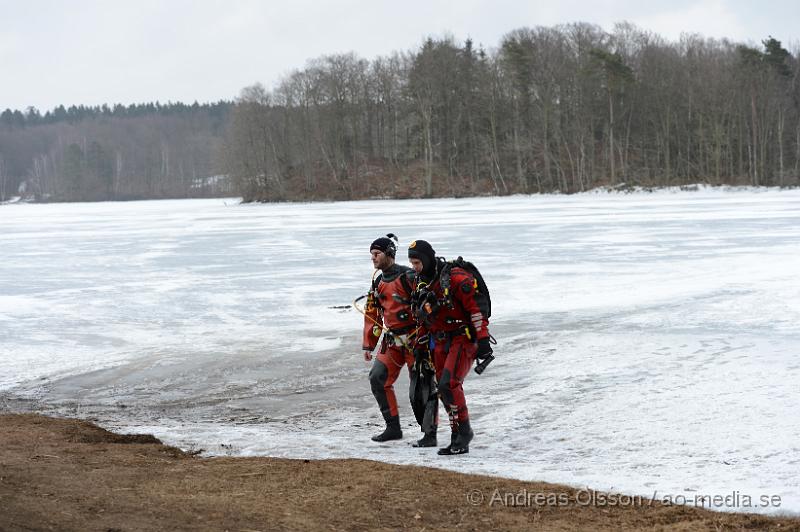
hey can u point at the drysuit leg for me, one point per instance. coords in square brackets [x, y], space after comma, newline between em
[453, 363]
[382, 377]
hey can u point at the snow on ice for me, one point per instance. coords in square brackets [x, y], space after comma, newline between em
[648, 343]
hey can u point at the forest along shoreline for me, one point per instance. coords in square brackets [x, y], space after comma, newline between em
[70, 474]
[565, 108]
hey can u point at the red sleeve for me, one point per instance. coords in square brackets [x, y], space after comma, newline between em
[462, 288]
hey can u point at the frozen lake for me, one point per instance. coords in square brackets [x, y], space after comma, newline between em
[648, 343]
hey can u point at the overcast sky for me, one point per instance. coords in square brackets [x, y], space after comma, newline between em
[124, 51]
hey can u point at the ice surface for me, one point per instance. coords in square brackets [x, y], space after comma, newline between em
[648, 343]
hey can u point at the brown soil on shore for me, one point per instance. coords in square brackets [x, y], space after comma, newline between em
[62, 474]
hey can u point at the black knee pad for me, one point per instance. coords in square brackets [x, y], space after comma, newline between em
[378, 375]
[444, 387]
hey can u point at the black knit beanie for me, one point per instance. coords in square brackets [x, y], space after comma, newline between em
[385, 245]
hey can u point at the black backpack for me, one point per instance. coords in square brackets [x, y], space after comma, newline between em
[482, 297]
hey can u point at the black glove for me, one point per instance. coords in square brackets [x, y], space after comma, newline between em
[426, 306]
[417, 298]
[484, 348]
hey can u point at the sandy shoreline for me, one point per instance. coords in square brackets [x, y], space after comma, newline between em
[66, 474]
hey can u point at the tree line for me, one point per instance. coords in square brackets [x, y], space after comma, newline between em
[139, 151]
[562, 108]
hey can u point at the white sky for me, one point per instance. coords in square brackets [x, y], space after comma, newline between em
[122, 51]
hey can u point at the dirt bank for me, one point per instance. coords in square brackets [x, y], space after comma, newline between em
[60, 474]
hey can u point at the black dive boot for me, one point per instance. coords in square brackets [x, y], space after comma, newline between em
[392, 432]
[429, 440]
[459, 444]
[446, 450]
